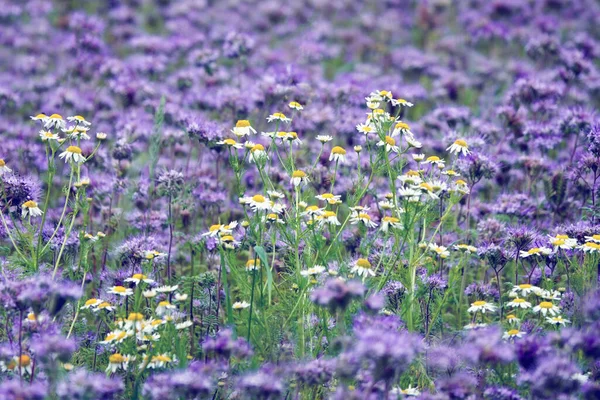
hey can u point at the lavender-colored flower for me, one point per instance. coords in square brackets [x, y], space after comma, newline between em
[83, 385]
[263, 384]
[337, 294]
[223, 345]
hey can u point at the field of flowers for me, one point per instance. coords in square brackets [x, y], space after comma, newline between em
[319, 199]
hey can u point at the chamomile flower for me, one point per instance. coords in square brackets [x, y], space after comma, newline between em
[243, 128]
[231, 143]
[79, 120]
[273, 218]
[258, 202]
[474, 326]
[441, 251]
[183, 325]
[366, 128]
[536, 251]
[512, 334]
[105, 305]
[329, 218]
[77, 132]
[401, 102]
[312, 211]
[519, 303]
[329, 198]
[117, 361]
[418, 157]
[590, 247]
[278, 117]
[401, 128]
[55, 120]
[252, 265]
[389, 143]
[357, 149]
[558, 320]
[387, 222]
[411, 178]
[412, 142]
[257, 153]
[525, 289]
[362, 217]
[546, 307]
[512, 319]
[24, 363]
[593, 238]
[47, 135]
[164, 307]
[450, 172]
[150, 293]
[482, 306]
[120, 291]
[101, 136]
[116, 336]
[465, 248]
[161, 361]
[167, 288]
[180, 296]
[91, 303]
[338, 154]
[30, 208]
[324, 138]
[4, 168]
[293, 137]
[294, 105]
[40, 117]
[563, 242]
[459, 146]
[240, 305]
[435, 160]
[228, 241]
[137, 278]
[72, 153]
[299, 178]
[220, 229]
[316, 270]
[428, 189]
[362, 267]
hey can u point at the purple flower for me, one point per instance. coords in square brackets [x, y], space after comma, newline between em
[337, 294]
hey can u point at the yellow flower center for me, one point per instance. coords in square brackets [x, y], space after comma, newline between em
[30, 204]
[242, 123]
[161, 358]
[363, 263]
[91, 301]
[116, 359]
[278, 115]
[402, 125]
[139, 276]
[251, 263]
[510, 316]
[258, 198]
[257, 147]
[562, 236]
[329, 214]
[104, 305]
[135, 317]
[338, 150]
[391, 219]
[461, 143]
[364, 216]
[513, 332]
[390, 141]
[298, 174]
[596, 237]
[546, 305]
[272, 216]
[2, 163]
[227, 238]
[479, 303]
[119, 289]
[525, 286]
[24, 360]
[229, 142]
[214, 228]
[519, 301]
[74, 149]
[433, 159]
[412, 173]
[164, 304]
[426, 186]
[56, 116]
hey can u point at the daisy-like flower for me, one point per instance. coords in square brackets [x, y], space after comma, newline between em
[563, 242]
[330, 218]
[240, 305]
[258, 202]
[435, 160]
[558, 320]
[167, 288]
[4, 168]
[299, 178]
[549, 294]
[590, 247]
[362, 267]
[461, 186]
[77, 132]
[459, 146]
[358, 149]
[101, 136]
[117, 361]
[389, 143]
[116, 336]
[512, 334]
[164, 307]
[72, 153]
[536, 251]
[150, 293]
[366, 128]
[228, 242]
[181, 296]
[293, 137]
[24, 363]
[30, 208]
[316, 270]
[91, 303]
[465, 248]
[294, 105]
[47, 135]
[519, 303]
[450, 172]
[401, 102]
[257, 153]
[161, 361]
[329, 198]
[105, 305]
[512, 319]
[55, 120]
[324, 138]
[412, 142]
[137, 278]
[441, 251]
[40, 117]
[252, 265]
[428, 189]
[79, 120]
[278, 117]
[312, 211]
[231, 143]
[474, 326]
[409, 391]
[387, 222]
[411, 178]
[243, 128]
[482, 306]
[121, 291]
[525, 289]
[418, 157]
[593, 238]
[273, 218]
[401, 128]
[547, 307]
[362, 217]
[338, 154]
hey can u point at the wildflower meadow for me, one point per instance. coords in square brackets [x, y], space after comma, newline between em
[302, 200]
